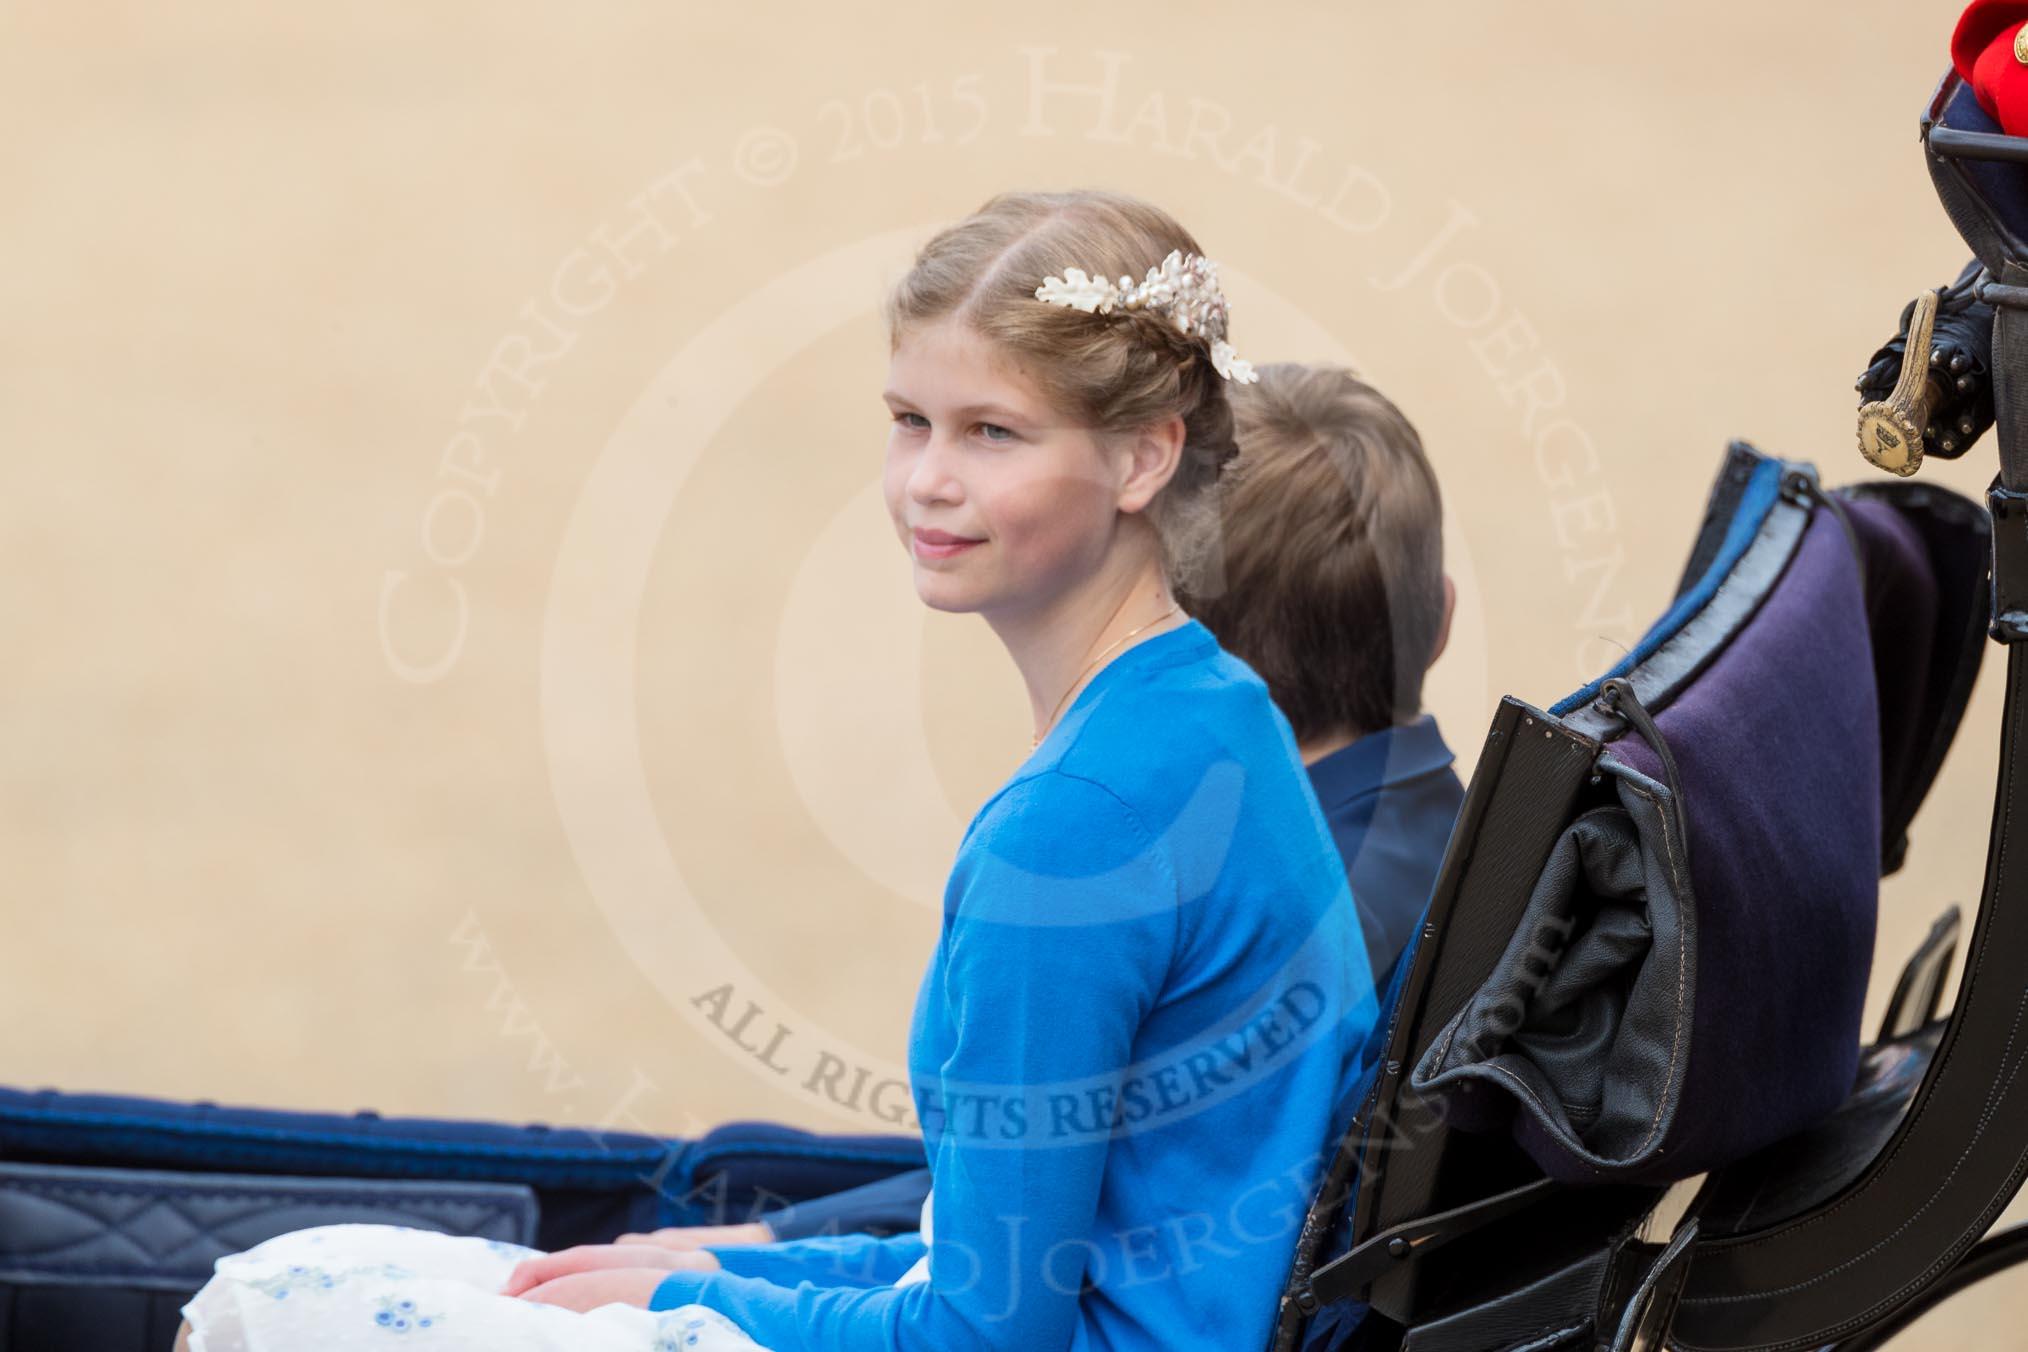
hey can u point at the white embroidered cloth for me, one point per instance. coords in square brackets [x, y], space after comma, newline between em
[350, 1288]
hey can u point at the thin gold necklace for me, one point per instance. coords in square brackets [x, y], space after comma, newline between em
[1093, 663]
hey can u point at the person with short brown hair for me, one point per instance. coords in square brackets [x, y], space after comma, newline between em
[1330, 583]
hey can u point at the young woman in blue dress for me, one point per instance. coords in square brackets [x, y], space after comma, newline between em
[1147, 998]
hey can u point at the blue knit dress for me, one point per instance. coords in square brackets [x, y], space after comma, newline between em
[1143, 1009]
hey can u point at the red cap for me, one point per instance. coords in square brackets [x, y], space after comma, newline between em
[1985, 51]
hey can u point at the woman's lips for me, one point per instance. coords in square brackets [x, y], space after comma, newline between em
[938, 544]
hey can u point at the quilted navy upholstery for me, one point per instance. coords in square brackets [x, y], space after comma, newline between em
[163, 1229]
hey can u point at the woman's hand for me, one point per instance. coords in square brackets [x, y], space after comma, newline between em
[688, 1237]
[585, 1291]
[601, 1274]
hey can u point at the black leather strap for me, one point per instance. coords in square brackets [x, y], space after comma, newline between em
[2010, 372]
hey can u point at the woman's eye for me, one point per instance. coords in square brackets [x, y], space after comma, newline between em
[993, 432]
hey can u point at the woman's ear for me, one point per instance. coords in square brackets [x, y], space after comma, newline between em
[1444, 627]
[1152, 455]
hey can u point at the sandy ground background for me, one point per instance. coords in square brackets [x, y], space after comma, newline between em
[454, 628]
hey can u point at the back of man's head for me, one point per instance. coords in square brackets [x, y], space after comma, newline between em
[1331, 581]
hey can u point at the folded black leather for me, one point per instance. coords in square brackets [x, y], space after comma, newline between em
[1576, 1035]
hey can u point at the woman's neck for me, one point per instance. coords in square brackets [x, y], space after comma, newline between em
[1059, 649]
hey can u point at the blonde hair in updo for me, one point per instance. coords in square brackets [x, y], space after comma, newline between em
[1111, 373]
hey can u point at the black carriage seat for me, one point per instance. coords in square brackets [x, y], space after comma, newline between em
[1647, 949]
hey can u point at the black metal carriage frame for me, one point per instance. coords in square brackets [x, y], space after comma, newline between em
[1841, 1237]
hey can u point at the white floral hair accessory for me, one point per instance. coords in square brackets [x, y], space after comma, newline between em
[1184, 287]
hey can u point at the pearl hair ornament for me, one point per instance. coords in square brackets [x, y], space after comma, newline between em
[1184, 287]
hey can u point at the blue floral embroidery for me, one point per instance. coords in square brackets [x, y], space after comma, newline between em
[295, 1278]
[676, 1339]
[401, 1315]
[301, 1277]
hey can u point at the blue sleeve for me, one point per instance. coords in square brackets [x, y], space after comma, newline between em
[888, 1205]
[1060, 923]
[828, 1260]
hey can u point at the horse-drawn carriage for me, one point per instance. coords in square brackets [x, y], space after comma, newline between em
[1619, 1095]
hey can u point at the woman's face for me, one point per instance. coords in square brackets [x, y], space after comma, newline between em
[1001, 504]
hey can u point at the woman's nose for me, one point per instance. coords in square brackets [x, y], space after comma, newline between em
[933, 478]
